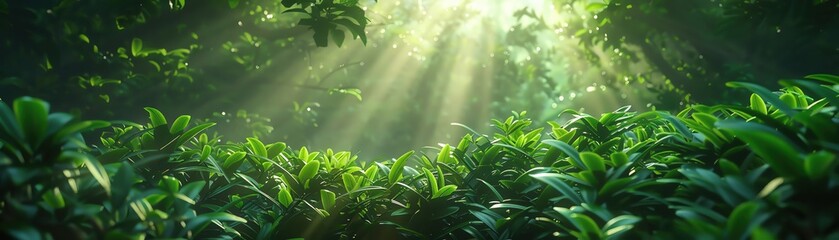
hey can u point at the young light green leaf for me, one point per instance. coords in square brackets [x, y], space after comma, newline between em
[284, 197]
[308, 171]
[258, 147]
[327, 198]
[96, 170]
[756, 103]
[432, 182]
[136, 46]
[445, 191]
[179, 124]
[156, 117]
[397, 168]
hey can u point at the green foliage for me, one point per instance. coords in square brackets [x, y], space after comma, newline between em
[99, 57]
[763, 169]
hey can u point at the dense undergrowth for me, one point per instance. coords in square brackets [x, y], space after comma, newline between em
[763, 170]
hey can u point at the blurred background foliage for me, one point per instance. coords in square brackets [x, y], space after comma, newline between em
[380, 78]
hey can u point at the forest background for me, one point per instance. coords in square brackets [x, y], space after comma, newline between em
[381, 78]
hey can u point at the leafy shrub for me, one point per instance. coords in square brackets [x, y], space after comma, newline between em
[762, 170]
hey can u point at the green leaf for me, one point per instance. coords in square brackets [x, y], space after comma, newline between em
[775, 149]
[156, 117]
[596, 7]
[275, 149]
[593, 161]
[832, 79]
[554, 180]
[233, 159]
[338, 36]
[31, 115]
[284, 197]
[179, 124]
[620, 224]
[432, 182]
[193, 189]
[327, 198]
[443, 155]
[197, 223]
[756, 103]
[349, 181]
[585, 224]
[818, 164]
[619, 158]
[84, 38]
[136, 46]
[96, 170]
[192, 132]
[568, 150]
[397, 168]
[742, 221]
[258, 147]
[308, 171]
[232, 3]
[445, 191]
[169, 184]
[767, 96]
[53, 198]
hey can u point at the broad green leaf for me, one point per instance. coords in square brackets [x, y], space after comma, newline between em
[775, 149]
[620, 224]
[308, 171]
[193, 189]
[275, 149]
[728, 167]
[586, 224]
[742, 221]
[819, 164]
[371, 172]
[31, 114]
[233, 159]
[619, 158]
[169, 184]
[284, 197]
[156, 117]
[96, 170]
[789, 100]
[756, 103]
[179, 124]
[593, 161]
[338, 36]
[398, 167]
[568, 150]
[327, 198]
[258, 147]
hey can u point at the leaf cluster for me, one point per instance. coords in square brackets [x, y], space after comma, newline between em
[766, 169]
